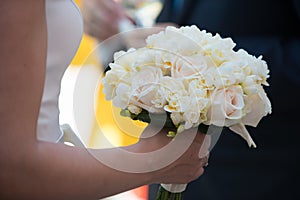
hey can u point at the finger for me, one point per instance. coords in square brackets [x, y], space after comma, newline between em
[201, 143]
[204, 161]
[199, 172]
[204, 148]
[165, 24]
[114, 8]
[95, 31]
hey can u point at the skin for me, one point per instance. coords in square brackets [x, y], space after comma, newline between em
[32, 169]
[104, 13]
[101, 19]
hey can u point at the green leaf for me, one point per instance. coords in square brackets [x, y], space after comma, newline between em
[171, 134]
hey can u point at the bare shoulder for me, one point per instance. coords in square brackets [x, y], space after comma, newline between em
[20, 15]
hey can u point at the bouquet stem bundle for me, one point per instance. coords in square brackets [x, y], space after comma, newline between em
[164, 194]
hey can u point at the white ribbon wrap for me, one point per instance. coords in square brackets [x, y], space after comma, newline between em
[174, 188]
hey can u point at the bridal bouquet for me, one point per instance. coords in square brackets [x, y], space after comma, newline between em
[193, 77]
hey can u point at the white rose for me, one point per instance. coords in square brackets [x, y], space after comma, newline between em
[257, 106]
[226, 107]
[145, 84]
[241, 130]
[186, 66]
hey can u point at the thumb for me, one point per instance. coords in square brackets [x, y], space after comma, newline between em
[203, 150]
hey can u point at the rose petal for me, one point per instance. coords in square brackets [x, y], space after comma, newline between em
[241, 130]
[259, 107]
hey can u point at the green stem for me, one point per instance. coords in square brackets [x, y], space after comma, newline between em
[163, 194]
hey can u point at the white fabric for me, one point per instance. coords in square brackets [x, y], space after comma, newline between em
[65, 28]
[174, 188]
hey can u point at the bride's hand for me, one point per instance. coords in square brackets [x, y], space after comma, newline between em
[177, 160]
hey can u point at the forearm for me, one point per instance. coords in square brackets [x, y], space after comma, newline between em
[51, 171]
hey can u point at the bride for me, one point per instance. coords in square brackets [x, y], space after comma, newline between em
[38, 40]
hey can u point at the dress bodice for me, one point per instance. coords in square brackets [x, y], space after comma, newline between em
[64, 28]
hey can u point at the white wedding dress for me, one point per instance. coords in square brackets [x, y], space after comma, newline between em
[65, 28]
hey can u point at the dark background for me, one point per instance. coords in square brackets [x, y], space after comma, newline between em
[272, 170]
